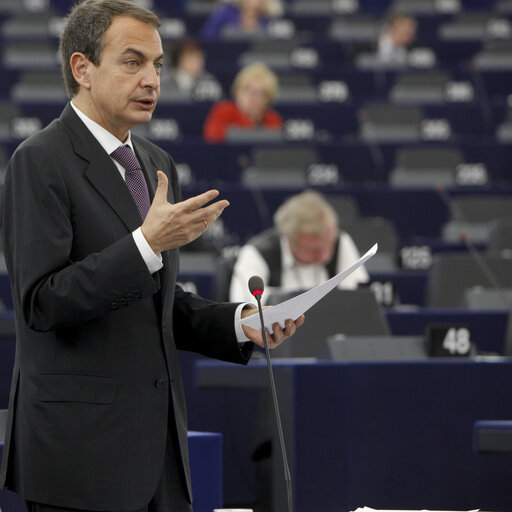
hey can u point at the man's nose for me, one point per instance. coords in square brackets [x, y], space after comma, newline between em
[151, 77]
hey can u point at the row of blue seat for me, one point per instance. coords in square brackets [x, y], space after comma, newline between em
[326, 122]
[337, 165]
[379, 7]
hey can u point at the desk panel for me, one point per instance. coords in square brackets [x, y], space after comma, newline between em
[488, 328]
[388, 435]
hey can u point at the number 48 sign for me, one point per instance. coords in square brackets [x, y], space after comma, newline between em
[449, 341]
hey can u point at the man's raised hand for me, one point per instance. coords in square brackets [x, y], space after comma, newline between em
[168, 226]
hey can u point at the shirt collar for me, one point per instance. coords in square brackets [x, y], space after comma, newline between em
[107, 141]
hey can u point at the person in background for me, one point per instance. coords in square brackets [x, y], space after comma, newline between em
[187, 66]
[397, 35]
[254, 90]
[249, 16]
[303, 250]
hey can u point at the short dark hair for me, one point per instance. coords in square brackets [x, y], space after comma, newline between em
[85, 28]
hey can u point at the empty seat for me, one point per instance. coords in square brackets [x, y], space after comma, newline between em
[32, 25]
[503, 7]
[279, 167]
[8, 111]
[23, 6]
[417, 88]
[480, 298]
[275, 54]
[322, 7]
[201, 7]
[236, 134]
[3, 424]
[500, 237]
[25, 56]
[3, 165]
[452, 274]
[387, 123]
[353, 312]
[370, 230]
[376, 348]
[296, 88]
[494, 56]
[472, 216]
[423, 7]
[504, 130]
[425, 167]
[40, 87]
[481, 208]
[345, 207]
[475, 25]
[355, 28]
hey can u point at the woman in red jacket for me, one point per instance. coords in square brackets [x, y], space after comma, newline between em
[254, 90]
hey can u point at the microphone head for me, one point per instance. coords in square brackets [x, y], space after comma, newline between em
[256, 285]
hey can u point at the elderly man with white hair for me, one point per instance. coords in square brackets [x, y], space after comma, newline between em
[304, 249]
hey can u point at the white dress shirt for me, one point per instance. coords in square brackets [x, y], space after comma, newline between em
[153, 261]
[294, 275]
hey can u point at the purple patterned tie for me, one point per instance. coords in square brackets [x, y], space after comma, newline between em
[134, 178]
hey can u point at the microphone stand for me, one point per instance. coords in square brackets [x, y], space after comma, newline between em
[287, 475]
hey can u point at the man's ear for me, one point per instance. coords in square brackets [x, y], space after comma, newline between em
[81, 66]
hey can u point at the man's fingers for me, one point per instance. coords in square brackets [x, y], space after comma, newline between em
[211, 212]
[161, 190]
[193, 203]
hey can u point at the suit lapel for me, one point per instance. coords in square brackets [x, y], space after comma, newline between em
[101, 171]
[106, 179]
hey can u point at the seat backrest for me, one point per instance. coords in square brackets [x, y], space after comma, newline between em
[481, 208]
[412, 159]
[452, 274]
[283, 158]
[3, 424]
[376, 348]
[430, 79]
[345, 206]
[479, 298]
[500, 236]
[370, 230]
[391, 114]
[255, 135]
[508, 336]
[350, 312]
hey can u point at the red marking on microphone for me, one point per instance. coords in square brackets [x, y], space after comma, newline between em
[257, 292]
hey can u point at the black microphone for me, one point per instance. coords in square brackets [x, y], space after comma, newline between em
[256, 287]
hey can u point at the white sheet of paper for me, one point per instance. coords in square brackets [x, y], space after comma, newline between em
[296, 306]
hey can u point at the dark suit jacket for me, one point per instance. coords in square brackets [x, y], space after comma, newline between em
[96, 363]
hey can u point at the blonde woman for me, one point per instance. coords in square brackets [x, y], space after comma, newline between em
[245, 15]
[254, 90]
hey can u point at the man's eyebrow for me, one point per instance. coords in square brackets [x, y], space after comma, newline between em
[138, 53]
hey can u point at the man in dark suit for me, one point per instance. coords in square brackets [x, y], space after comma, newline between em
[91, 221]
